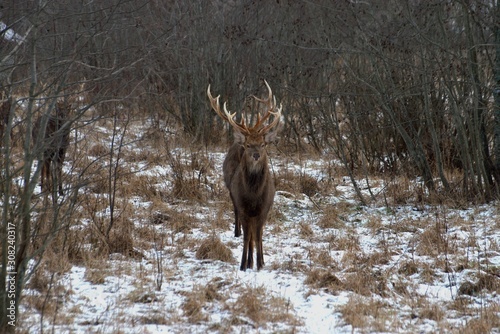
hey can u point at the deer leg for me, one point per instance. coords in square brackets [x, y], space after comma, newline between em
[258, 246]
[58, 171]
[246, 241]
[237, 225]
[44, 180]
[56, 177]
[250, 249]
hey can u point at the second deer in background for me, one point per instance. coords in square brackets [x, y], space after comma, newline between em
[247, 176]
[55, 143]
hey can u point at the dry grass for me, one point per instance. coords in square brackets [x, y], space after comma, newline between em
[212, 248]
[331, 218]
[190, 176]
[402, 191]
[297, 183]
[257, 306]
[144, 186]
[155, 318]
[197, 299]
[51, 293]
[322, 258]
[366, 282]
[487, 320]
[432, 311]
[368, 314]
[331, 252]
[485, 282]
[121, 238]
[96, 270]
[432, 241]
[324, 280]
[142, 296]
[98, 150]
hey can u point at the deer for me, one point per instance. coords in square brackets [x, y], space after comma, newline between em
[55, 142]
[5, 109]
[247, 176]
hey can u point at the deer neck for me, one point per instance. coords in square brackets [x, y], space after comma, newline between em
[255, 177]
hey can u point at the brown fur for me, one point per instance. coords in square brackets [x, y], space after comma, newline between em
[252, 192]
[5, 107]
[247, 176]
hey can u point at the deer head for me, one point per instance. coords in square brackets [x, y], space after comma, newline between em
[253, 139]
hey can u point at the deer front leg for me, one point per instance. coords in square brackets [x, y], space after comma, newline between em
[250, 250]
[246, 243]
[58, 177]
[237, 224]
[258, 246]
[58, 170]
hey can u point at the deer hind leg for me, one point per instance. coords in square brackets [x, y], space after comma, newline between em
[56, 173]
[45, 178]
[248, 240]
[244, 256]
[58, 164]
[250, 250]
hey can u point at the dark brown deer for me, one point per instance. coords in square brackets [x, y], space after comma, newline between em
[55, 143]
[5, 107]
[247, 176]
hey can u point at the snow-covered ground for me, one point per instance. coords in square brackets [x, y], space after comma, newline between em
[332, 265]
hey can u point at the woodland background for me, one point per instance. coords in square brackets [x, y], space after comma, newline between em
[399, 88]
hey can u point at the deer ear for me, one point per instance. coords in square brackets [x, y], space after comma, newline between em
[239, 137]
[271, 137]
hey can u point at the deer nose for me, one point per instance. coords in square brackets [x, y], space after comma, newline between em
[256, 156]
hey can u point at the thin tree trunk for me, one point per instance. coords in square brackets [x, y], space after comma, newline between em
[496, 92]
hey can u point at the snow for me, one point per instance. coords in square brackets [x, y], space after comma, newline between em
[128, 298]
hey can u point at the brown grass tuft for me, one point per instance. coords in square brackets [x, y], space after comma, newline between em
[487, 321]
[308, 185]
[305, 229]
[322, 279]
[368, 314]
[487, 282]
[143, 186]
[189, 176]
[432, 311]
[121, 238]
[196, 300]
[408, 268]
[331, 219]
[96, 271]
[297, 183]
[98, 150]
[212, 248]
[432, 241]
[260, 307]
[366, 282]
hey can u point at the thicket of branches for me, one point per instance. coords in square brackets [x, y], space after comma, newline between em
[401, 87]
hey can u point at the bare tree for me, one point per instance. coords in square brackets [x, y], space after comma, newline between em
[64, 54]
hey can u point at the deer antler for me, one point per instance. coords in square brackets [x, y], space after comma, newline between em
[270, 104]
[226, 115]
[276, 120]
